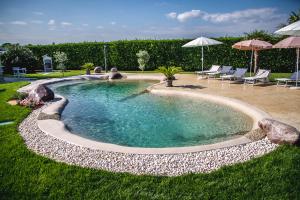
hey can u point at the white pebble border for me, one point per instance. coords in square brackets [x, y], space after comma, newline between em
[162, 164]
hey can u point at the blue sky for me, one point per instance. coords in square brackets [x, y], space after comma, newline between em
[43, 22]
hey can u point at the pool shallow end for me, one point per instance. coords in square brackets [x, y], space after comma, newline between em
[241, 106]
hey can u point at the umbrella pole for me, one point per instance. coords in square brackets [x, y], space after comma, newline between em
[297, 78]
[251, 61]
[255, 61]
[202, 59]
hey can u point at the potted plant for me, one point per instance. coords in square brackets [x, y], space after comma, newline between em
[169, 73]
[88, 67]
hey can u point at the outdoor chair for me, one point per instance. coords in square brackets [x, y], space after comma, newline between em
[214, 68]
[238, 74]
[261, 76]
[293, 78]
[1, 74]
[224, 71]
[19, 72]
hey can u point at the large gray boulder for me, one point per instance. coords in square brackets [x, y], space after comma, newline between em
[41, 93]
[114, 69]
[114, 74]
[97, 70]
[278, 132]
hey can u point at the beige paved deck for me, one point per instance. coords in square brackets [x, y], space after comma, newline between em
[281, 103]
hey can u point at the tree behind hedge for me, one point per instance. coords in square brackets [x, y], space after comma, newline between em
[18, 56]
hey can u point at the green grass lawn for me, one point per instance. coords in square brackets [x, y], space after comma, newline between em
[26, 175]
[56, 74]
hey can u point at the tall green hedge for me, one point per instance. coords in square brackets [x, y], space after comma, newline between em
[122, 54]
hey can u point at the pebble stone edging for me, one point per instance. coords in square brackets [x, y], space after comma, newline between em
[162, 164]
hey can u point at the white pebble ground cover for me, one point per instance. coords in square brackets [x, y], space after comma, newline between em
[163, 164]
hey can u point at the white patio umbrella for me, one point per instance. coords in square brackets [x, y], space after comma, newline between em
[201, 42]
[292, 29]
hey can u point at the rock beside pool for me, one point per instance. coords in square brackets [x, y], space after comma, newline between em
[41, 93]
[279, 133]
[114, 74]
[97, 70]
[114, 69]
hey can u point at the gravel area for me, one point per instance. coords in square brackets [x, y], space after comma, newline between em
[166, 164]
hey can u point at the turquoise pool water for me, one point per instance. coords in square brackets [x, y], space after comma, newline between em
[122, 113]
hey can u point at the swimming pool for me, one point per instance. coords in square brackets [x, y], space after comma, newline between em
[121, 112]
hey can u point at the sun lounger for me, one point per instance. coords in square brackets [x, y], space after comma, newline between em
[237, 75]
[225, 70]
[262, 75]
[214, 68]
[292, 79]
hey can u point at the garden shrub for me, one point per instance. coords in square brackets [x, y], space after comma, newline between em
[122, 54]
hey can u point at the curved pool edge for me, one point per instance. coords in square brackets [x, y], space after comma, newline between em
[139, 164]
[58, 129]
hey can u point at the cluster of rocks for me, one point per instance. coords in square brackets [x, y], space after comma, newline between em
[162, 164]
[114, 74]
[38, 96]
[41, 93]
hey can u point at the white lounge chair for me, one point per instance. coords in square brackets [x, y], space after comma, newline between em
[262, 75]
[237, 75]
[225, 70]
[214, 68]
[293, 78]
[19, 72]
